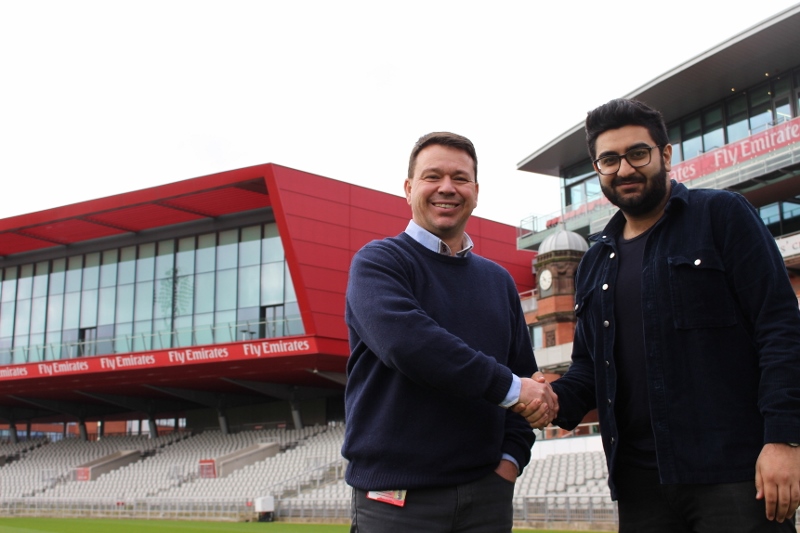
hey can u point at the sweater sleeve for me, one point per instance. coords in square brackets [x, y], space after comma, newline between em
[385, 318]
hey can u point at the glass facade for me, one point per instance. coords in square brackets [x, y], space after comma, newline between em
[210, 288]
[747, 113]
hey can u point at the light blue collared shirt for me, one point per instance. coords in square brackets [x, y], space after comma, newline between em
[435, 244]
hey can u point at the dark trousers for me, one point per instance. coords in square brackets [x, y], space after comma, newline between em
[483, 506]
[646, 506]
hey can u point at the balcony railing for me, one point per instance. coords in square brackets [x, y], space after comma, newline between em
[160, 340]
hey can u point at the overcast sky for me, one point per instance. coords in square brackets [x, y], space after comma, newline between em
[103, 97]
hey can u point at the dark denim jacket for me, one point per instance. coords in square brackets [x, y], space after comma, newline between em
[722, 339]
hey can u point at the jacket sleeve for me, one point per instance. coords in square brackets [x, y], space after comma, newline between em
[757, 275]
[519, 436]
[576, 388]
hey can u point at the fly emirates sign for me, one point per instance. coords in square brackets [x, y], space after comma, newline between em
[239, 351]
[736, 153]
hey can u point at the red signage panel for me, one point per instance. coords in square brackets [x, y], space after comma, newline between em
[175, 357]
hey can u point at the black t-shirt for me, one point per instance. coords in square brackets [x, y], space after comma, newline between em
[632, 408]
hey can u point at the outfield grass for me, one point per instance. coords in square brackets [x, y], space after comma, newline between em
[77, 525]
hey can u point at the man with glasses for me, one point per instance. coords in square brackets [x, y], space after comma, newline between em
[687, 343]
[440, 353]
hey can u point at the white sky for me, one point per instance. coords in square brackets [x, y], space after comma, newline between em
[103, 97]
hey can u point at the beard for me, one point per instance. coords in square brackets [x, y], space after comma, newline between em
[654, 192]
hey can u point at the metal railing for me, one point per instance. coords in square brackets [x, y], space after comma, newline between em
[528, 510]
[159, 340]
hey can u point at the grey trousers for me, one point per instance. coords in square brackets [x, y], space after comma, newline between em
[483, 506]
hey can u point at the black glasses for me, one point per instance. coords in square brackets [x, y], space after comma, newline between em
[636, 157]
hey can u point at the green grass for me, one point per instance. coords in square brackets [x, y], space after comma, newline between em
[88, 525]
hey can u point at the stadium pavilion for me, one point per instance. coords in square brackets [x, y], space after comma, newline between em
[214, 302]
[733, 116]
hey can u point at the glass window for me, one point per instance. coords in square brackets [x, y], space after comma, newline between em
[146, 263]
[53, 341]
[106, 306]
[576, 196]
[294, 325]
[40, 279]
[22, 324]
[91, 271]
[38, 314]
[206, 253]
[108, 268]
[183, 329]
[143, 307]
[142, 335]
[250, 246]
[760, 109]
[74, 273]
[125, 303]
[225, 326]
[55, 309]
[9, 292]
[272, 283]
[714, 135]
[165, 259]
[227, 255]
[184, 295]
[184, 259]
[536, 337]
[770, 214]
[122, 337]
[271, 246]
[163, 303]
[7, 318]
[593, 190]
[692, 139]
[25, 282]
[738, 127]
[290, 294]
[58, 276]
[226, 290]
[126, 271]
[204, 293]
[72, 309]
[89, 309]
[248, 286]
[203, 328]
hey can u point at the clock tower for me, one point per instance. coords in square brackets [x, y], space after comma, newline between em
[555, 266]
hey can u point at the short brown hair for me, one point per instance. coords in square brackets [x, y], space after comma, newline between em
[443, 138]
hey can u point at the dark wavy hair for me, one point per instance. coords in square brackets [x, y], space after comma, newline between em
[623, 112]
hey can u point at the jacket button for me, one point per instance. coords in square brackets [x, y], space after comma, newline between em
[612, 440]
[576, 306]
[605, 286]
[611, 255]
[608, 363]
[609, 401]
[697, 262]
[606, 323]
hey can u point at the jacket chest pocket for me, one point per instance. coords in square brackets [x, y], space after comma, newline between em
[699, 291]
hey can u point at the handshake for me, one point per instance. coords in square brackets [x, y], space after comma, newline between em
[538, 403]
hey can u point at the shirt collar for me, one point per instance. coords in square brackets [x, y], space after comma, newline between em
[434, 243]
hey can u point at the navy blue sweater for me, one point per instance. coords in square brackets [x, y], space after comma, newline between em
[434, 340]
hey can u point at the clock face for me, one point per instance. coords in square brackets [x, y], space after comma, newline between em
[545, 279]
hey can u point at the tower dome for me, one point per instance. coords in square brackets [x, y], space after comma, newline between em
[563, 239]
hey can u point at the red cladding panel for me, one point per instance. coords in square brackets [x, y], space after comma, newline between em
[12, 243]
[72, 230]
[145, 216]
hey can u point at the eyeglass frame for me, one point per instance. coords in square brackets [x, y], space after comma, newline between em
[625, 156]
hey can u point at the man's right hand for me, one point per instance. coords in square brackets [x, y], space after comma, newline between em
[538, 403]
